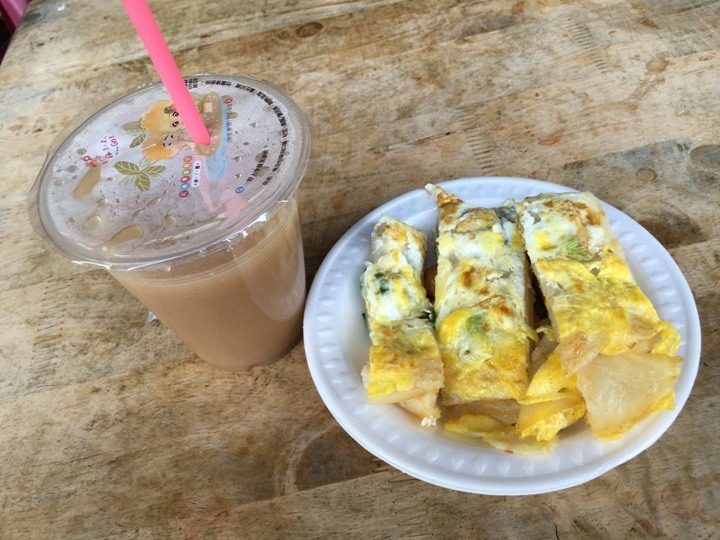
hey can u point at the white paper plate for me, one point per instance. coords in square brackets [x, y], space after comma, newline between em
[337, 344]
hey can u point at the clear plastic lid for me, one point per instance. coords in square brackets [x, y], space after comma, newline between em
[128, 188]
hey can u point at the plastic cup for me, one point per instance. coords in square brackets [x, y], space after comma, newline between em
[207, 237]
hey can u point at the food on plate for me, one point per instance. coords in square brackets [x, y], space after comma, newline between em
[483, 301]
[612, 348]
[552, 401]
[603, 355]
[404, 365]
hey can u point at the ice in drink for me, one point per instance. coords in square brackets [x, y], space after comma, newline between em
[207, 237]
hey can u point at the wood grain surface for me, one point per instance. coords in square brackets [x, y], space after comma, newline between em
[111, 427]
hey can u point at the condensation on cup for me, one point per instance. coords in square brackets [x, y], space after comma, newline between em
[207, 237]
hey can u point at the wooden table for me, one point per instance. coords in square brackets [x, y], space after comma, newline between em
[113, 428]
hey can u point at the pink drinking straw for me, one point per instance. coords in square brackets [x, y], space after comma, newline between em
[149, 31]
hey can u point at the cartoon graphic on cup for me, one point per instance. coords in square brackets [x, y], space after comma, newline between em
[165, 132]
[163, 135]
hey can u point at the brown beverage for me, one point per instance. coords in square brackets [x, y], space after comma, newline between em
[236, 308]
[207, 237]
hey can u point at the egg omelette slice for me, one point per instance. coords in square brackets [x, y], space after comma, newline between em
[482, 302]
[611, 343]
[404, 365]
